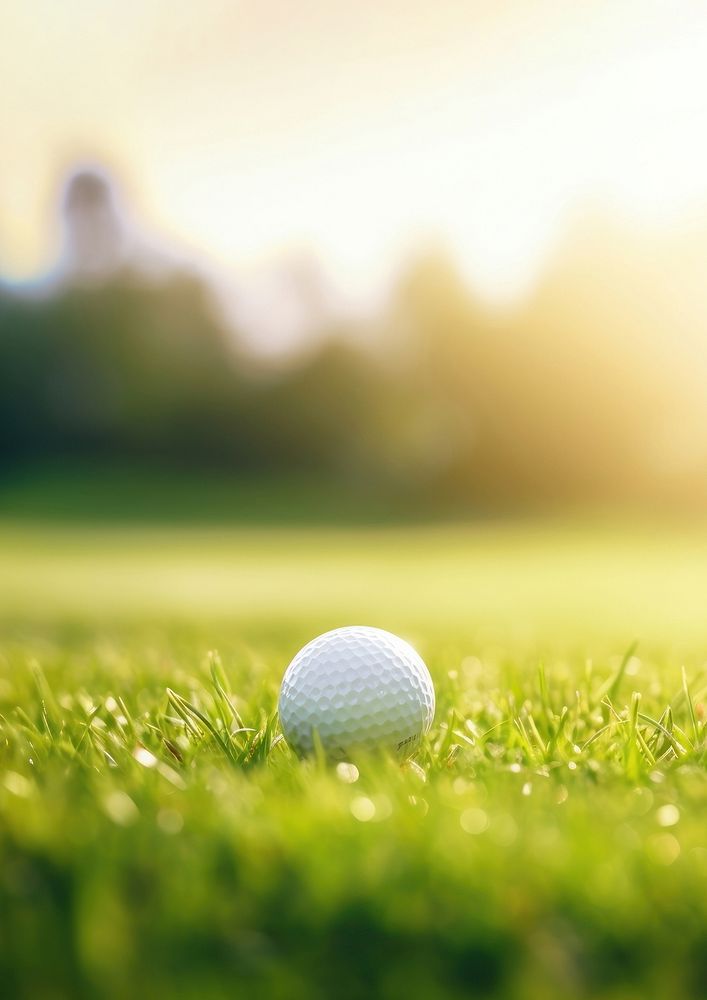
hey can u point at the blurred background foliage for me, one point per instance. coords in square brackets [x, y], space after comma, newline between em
[437, 404]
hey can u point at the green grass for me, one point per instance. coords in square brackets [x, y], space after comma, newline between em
[158, 838]
[109, 493]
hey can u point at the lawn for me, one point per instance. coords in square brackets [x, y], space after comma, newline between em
[158, 838]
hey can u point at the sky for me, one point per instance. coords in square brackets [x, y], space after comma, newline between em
[247, 131]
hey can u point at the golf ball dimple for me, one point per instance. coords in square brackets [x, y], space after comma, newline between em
[357, 688]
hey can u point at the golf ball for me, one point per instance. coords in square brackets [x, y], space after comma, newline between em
[357, 688]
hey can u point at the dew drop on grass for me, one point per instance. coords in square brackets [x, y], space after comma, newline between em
[18, 785]
[348, 773]
[143, 756]
[664, 848]
[667, 815]
[474, 821]
[362, 808]
[120, 808]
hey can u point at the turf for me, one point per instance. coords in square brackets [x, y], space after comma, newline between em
[158, 837]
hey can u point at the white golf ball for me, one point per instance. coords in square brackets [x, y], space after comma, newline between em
[357, 688]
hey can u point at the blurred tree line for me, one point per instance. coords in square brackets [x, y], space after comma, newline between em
[559, 401]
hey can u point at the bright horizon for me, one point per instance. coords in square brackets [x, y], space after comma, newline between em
[246, 132]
